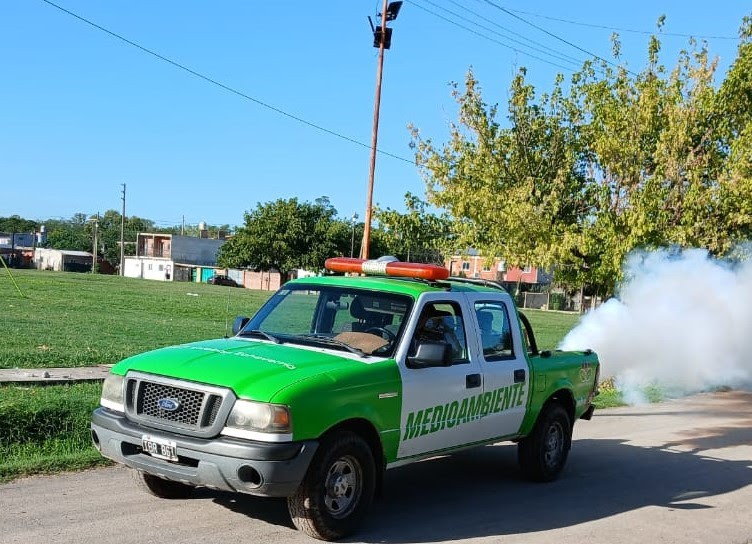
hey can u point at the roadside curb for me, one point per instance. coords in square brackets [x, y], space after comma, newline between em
[49, 376]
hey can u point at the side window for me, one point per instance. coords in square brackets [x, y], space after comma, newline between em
[495, 332]
[442, 322]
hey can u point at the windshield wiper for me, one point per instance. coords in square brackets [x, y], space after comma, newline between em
[257, 332]
[324, 339]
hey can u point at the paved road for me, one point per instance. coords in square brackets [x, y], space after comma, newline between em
[678, 472]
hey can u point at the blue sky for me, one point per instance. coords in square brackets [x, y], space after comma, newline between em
[82, 112]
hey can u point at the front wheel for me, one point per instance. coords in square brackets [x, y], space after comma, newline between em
[543, 454]
[159, 487]
[336, 492]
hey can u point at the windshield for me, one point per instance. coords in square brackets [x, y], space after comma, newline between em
[355, 320]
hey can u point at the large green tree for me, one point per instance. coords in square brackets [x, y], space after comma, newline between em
[612, 160]
[287, 234]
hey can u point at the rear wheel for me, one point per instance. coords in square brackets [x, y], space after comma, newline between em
[542, 455]
[335, 494]
[159, 487]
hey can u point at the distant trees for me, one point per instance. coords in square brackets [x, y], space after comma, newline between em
[613, 160]
[77, 233]
[15, 223]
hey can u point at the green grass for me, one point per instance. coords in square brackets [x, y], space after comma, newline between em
[550, 327]
[610, 397]
[68, 319]
[46, 429]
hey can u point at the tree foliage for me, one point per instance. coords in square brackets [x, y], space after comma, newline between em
[417, 235]
[15, 223]
[287, 234]
[609, 162]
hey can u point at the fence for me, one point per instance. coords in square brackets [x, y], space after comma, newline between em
[559, 301]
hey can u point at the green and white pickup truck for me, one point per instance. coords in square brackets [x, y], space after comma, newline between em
[336, 379]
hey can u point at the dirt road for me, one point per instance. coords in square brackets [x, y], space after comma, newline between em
[677, 472]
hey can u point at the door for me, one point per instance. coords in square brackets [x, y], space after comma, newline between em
[503, 361]
[440, 405]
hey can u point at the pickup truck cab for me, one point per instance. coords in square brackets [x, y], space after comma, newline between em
[336, 379]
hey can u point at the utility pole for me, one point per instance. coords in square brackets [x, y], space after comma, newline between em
[382, 38]
[352, 240]
[122, 236]
[94, 258]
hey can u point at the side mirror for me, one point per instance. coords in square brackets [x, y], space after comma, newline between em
[239, 323]
[431, 354]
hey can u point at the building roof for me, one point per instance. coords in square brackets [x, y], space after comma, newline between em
[69, 252]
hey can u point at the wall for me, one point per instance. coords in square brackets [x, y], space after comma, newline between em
[265, 281]
[48, 259]
[149, 268]
[198, 251]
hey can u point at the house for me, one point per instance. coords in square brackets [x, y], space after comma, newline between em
[62, 260]
[474, 265]
[17, 248]
[170, 257]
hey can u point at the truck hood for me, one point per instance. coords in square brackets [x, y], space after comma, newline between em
[253, 369]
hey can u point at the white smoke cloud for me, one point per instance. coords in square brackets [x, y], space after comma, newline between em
[682, 322]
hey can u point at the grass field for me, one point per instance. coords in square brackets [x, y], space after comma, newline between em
[67, 319]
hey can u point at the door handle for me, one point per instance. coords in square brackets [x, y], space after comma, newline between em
[519, 375]
[472, 380]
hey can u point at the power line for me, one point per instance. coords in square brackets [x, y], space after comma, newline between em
[551, 52]
[224, 86]
[632, 30]
[511, 14]
[512, 48]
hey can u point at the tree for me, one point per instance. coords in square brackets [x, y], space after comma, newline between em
[417, 235]
[73, 234]
[576, 180]
[15, 223]
[287, 234]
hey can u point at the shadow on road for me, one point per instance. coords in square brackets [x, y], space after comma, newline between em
[480, 493]
[272, 511]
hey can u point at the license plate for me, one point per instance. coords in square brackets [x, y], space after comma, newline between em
[157, 447]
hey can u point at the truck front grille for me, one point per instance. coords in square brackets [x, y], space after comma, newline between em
[188, 403]
[176, 405]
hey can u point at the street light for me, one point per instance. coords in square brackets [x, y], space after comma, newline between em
[352, 240]
[382, 38]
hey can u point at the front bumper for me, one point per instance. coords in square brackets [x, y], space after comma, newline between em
[258, 468]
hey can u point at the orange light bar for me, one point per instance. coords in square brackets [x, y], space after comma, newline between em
[432, 272]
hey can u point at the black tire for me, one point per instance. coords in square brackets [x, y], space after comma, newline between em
[159, 487]
[543, 454]
[335, 494]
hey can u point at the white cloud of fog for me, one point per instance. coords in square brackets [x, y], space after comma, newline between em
[681, 321]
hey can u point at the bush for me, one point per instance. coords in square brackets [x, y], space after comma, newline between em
[44, 428]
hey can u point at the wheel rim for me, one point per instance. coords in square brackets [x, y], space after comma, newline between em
[553, 445]
[343, 486]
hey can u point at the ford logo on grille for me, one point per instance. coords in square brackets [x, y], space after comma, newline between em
[168, 404]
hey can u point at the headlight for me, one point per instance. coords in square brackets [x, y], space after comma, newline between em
[248, 417]
[112, 393]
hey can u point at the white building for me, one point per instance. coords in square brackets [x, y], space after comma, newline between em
[167, 257]
[62, 260]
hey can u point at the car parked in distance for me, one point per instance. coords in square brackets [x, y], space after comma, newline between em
[221, 279]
